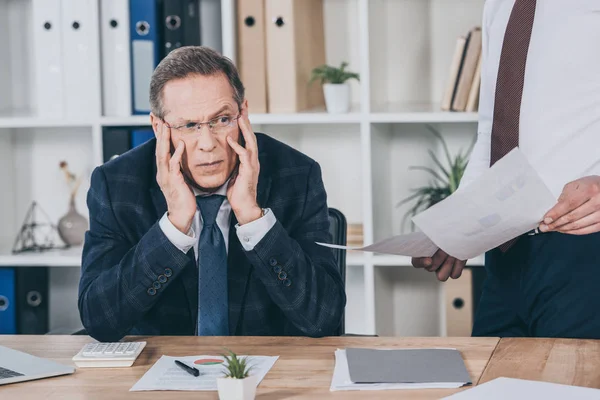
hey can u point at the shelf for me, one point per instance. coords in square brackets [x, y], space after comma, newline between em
[355, 259]
[418, 113]
[385, 260]
[26, 119]
[52, 258]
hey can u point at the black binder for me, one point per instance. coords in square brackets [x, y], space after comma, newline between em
[172, 25]
[115, 141]
[32, 300]
[191, 22]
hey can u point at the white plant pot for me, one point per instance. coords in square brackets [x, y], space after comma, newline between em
[237, 389]
[337, 97]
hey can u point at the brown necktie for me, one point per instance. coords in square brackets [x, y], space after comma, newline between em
[509, 86]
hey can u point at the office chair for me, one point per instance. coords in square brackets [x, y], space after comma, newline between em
[337, 228]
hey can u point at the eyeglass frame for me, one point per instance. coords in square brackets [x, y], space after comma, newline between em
[198, 128]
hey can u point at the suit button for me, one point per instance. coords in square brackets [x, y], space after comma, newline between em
[156, 285]
[151, 291]
[273, 262]
[282, 275]
[287, 282]
[162, 278]
[168, 272]
[277, 269]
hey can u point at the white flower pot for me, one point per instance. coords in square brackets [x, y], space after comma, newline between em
[237, 389]
[337, 97]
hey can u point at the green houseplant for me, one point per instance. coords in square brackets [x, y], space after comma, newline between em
[335, 86]
[237, 383]
[444, 179]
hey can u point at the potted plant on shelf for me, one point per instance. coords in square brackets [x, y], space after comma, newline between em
[237, 384]
[444, 182]
[335, 86]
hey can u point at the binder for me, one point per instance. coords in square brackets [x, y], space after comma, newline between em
[467, 71]
[116, 64]
[210, 24]
[140, 136]
[8, 320]
[191, 23]
[251, 58]
[32, 300]
[295, 45]
[454, 74]
[115, 141]
[47, 59]
[459, 305]
[473, 99]
[172, 25]
[145, 51]
[80, 58]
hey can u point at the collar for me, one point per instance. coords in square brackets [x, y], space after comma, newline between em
[222, 191]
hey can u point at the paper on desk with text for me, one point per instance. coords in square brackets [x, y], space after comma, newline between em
[341, 379]
[415, 244]
[166, 375]
[506, 201]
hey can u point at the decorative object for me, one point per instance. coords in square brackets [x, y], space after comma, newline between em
[72, 226]
[237, 384]
[335, 87]
[445, 179]
[36, 235]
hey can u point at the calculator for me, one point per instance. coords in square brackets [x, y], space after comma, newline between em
[108, 355]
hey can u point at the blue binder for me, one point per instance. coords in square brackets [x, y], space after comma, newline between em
[140, 136]
[8, 310]
[145, 50]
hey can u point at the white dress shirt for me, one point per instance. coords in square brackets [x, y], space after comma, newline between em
[560, 108]
[249, 234]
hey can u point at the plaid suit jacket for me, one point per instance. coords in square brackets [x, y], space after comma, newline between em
[135, 281]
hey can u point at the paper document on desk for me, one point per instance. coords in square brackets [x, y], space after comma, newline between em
[342, 380]
[506, 201]
[520, 389]
[166, 375]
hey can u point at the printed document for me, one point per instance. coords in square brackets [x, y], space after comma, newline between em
[166, 375]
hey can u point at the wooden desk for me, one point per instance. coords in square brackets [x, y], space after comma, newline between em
[303, 371]
[566, 361]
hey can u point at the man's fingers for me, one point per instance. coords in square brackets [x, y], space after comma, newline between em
[591, 219]
[585, 231]
[568, 201]
[175, 162]
[247, 132]
[241, 152]
[421, 262]
[437, 260]
[163, 148]
[446, 269]
[573, 217]
[457, 270]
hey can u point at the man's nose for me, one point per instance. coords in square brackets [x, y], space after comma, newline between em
[205, 140]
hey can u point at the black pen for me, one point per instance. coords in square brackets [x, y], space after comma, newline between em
[188, 369]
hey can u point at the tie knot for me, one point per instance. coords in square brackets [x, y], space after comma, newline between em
[209, 208]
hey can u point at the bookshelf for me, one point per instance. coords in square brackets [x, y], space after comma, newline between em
[402, 50]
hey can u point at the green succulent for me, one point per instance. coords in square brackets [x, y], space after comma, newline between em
[237, 368]
[444, 182]
[326, 73]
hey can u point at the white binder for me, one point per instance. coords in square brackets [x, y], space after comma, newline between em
[116, 60]
[47, 59]
[210, 24]
[80, 58]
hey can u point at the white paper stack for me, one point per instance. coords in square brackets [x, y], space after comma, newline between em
[342, 381]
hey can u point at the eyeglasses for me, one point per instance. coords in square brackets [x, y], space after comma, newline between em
[216, 125]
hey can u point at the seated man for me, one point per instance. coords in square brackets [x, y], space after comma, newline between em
[208, 229]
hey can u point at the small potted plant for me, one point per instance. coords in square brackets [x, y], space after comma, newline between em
[237, 384]
[335, 86]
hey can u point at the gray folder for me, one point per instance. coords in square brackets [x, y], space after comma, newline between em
[406, 366]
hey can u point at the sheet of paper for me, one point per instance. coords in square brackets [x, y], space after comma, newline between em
[166, 375]
[508, 200]
[520, 389]
[415, 244]
[341, 379]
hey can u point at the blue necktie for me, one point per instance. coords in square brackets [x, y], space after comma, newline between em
[213, 310]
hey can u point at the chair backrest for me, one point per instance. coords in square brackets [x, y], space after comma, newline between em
[338, 229]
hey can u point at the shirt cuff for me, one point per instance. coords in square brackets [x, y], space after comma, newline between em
[175, 236]
[252, 233]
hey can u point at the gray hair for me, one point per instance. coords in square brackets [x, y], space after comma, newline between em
[190, 60]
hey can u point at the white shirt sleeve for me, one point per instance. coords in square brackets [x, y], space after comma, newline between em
[252, 233]
[479, 161]
[181, 241]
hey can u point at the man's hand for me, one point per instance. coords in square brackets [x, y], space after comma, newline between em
[241, 192]
[441, 262]
[578, 209]
[181, 202]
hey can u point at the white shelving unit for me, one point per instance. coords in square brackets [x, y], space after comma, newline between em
[402, 50]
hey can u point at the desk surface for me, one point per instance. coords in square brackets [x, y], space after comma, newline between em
[303, 371]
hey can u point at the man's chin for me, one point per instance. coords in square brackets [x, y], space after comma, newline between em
[212, 184]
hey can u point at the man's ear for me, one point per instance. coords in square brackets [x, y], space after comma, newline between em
[154, 121]
[244, 108]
